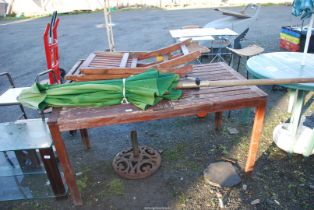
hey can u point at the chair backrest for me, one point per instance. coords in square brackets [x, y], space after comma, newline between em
[237, 41]
[51, 49]
[236, 24]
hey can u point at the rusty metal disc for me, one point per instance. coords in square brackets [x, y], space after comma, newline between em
[128, 166]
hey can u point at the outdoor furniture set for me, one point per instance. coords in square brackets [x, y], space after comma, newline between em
[223, 34]
[193, 101]
[216, 88]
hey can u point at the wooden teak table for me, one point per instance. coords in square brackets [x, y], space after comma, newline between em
[211, 99]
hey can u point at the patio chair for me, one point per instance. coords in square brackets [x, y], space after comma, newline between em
[27, 159]
[8, 98]
[112, 65]
[246, 52]
[239, 22]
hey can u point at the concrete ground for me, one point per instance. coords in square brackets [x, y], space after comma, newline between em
[178, 184]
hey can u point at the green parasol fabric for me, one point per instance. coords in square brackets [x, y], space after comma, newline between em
[142, 90]
[304, 7]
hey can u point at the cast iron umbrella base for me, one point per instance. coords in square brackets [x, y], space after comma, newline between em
[136, 162]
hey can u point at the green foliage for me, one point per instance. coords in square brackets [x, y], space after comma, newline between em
[115, 187]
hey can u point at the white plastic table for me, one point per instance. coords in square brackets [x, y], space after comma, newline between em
[205, 35]
[283, 65]
[199, 32]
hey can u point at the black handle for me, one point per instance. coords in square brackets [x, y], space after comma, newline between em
[52, 22]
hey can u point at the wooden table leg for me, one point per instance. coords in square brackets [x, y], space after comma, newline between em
[218, 120]
[255, 137]
[53, 172]
[85, 138]
[65, 163]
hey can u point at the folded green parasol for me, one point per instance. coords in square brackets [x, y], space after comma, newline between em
[142, 90]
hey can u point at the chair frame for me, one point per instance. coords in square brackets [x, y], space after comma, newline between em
[12, 85]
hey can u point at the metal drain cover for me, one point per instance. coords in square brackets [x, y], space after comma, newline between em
[221, 174]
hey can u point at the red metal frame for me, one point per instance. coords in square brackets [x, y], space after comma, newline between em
[51, 50]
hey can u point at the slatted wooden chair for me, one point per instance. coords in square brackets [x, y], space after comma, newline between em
[112, 65]
[246, 52]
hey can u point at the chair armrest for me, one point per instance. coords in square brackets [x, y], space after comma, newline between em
[45, 72]
[9, 78]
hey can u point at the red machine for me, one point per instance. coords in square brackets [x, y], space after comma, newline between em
[51, 49]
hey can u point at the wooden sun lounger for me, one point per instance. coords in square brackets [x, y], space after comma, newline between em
[233, 13]
[113, 65]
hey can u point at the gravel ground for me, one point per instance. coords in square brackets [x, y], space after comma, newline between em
[189, 144]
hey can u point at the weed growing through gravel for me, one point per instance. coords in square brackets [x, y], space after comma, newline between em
[115, 187]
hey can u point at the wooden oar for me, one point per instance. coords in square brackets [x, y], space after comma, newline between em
[196, 83]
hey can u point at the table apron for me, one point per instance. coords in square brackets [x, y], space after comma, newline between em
[156, 115]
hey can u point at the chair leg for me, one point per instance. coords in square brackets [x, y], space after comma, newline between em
[231, 58]
[239, 61]
[23, 111]
[85, 138]
[247, 73]
[218, 121]
[229, 114]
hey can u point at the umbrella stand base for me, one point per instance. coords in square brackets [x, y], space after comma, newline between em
[136, 162]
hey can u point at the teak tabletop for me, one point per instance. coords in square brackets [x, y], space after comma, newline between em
[192, 102]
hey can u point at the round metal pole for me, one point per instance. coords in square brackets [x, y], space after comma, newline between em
[108, 25]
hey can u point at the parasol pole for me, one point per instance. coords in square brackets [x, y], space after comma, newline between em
[197, 83]
[308, 38]
[108, 22]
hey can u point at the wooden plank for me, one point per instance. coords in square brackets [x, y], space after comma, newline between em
[214, 91]
[164, 51]
[116, 73]
[88, 60]
[83, 78]
[234, 13]
[124, 60]
[105, 54]
[181, 60]
[101, 71]
[75, 68]
[182, 71]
